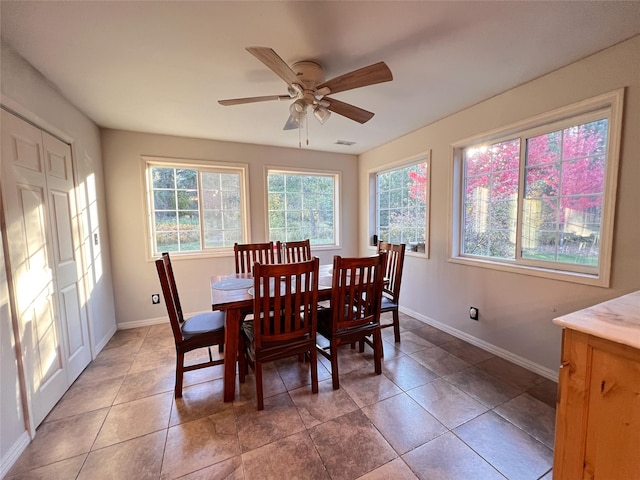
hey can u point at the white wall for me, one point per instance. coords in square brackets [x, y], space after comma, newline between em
[135, 277]
[26, 92]
[515, 309]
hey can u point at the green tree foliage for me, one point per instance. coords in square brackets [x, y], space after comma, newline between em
[301, 206]
[402, 204]
[178, 210]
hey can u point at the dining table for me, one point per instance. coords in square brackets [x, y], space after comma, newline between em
[232, 293]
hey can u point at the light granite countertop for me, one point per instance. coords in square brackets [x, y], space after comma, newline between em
[617, 320]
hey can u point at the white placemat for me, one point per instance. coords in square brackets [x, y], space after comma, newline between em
[283, 289]
[233, 284]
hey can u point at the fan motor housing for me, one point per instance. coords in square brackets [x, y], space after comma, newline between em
[309, 73]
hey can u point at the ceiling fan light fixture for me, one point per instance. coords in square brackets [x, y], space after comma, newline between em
[298, 109]
[321, 113]
[294, 90]
[321, 92]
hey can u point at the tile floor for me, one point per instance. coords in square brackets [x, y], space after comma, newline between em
[442, 409]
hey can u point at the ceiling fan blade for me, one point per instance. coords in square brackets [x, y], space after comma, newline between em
[356, 114]
[292, 124]
[238, 101]
[376, 73]
[272, 60]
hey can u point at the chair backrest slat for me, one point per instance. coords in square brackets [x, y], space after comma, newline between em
[293, 252]
[357, 291]
[249, 253]
[169, 301]
[172, 285]
[395, 263]
[285, 301]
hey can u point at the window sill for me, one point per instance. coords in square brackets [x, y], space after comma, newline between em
[325, 246]
[178, 256]
[225, 252]
[424, 255]
[563, 276]
[407, 253]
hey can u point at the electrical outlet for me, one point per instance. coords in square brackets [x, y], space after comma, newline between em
[155, 298]
[474, 313]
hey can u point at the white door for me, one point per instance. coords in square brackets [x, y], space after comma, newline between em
[66, 254]
[41, 255]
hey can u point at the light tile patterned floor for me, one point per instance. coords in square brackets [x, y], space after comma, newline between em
[442, 409]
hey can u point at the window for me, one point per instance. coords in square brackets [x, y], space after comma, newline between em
[301, 206]
[195, 208]
[401, 212]
[540, 197]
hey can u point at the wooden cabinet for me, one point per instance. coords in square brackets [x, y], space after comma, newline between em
[598, 414]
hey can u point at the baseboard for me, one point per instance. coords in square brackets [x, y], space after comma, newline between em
[152, 321]
[99, 346]
[497, 351]
[142, 323]
[14, 453]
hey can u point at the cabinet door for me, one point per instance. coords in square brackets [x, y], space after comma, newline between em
[598, 417]
[571, 414]
[613, 436]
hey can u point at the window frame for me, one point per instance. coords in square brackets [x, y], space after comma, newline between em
[611, 104]
[242, 169]
[337, 179]
[423, 157]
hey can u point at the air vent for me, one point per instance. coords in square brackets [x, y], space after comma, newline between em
[345, 142]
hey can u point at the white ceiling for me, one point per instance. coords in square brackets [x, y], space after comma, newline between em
[161, 66]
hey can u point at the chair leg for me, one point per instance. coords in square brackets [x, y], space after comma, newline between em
[179, 373]
[396, 325]
[313, 353]
[377, 351]
[333, 350]
[242, 365]
[258, 366]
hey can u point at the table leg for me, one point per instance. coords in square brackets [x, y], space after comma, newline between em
[231, 332]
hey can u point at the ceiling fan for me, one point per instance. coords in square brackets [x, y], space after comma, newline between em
[306, 84]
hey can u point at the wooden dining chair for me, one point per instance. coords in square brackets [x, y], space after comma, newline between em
[249, 253]
[284, 318]
[200, 331]
[391, 289]
[292, 252]
[354, 312]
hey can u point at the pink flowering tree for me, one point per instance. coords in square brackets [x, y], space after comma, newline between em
[563, 185]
